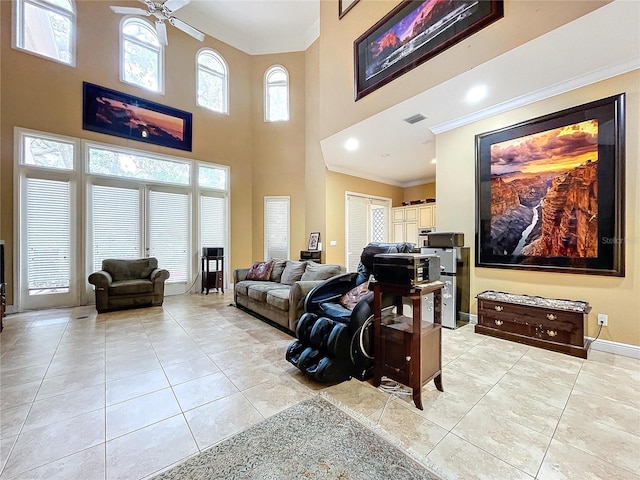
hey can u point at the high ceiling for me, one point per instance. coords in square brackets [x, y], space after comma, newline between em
[398, 153]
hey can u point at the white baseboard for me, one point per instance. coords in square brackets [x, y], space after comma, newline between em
[608, 346]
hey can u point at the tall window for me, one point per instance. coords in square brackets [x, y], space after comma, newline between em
[141, 55]
[367, 221]
[276, 94]
[276, 227]
[213, 81]
[47, 28]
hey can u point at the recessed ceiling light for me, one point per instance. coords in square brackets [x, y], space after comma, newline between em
[352, 144]
[477, 93]
[385, 155]
[433, 161]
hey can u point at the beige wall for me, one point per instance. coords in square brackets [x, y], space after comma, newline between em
[279, 151]
[419, 192]
[523, 20]
[618, 297]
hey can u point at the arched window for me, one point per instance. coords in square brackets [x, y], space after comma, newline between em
[276, 94]
[47, 28]
[141, 55]
[212, 81]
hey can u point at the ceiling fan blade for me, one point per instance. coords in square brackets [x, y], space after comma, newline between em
[161, 30]
[173, 5]
[188, 29]
[130, 11]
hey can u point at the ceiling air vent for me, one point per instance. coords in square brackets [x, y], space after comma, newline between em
[418, 117]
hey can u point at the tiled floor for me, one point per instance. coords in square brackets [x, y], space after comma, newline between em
[126, 394]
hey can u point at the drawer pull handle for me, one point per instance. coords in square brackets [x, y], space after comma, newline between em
[552, 333]
[498, 308]
[498, 322]
[551, 316]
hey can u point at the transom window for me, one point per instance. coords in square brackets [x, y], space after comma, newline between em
[47, 28]
[276, 94]
[141, 55]
[212, 81]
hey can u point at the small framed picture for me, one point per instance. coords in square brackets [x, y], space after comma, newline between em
[314, 238]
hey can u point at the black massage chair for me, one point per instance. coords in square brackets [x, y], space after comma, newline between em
[334, 342]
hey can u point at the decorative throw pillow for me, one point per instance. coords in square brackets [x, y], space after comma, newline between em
[318, 271]
[260, 271]
[278, 268]
[352, 297]
[292, 272]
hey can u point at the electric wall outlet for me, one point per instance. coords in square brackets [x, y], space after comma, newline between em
[603, 319]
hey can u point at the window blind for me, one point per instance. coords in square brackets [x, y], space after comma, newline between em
[357, 229]
[276, 227]
[169, 232]
[116, 224]
[212, 221]
[48, 235]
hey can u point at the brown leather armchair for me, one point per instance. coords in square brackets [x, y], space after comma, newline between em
[128, 284]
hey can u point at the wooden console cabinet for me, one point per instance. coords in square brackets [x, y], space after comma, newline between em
[408, 350]
[212, 273]
[3, 302]
[549, 323]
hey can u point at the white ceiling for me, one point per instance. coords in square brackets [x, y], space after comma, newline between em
[596, 46]
[257, 26]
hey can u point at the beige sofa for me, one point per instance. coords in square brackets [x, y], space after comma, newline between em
[281, 297]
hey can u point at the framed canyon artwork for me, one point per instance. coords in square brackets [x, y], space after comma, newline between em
[115, 113]
[550, 192]
[412, 33]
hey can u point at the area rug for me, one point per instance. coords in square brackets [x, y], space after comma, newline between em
[311, 440]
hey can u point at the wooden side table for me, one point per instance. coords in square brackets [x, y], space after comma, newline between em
[212, 273]
[408, 350]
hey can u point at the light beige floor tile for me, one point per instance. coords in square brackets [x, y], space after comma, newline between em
[136, 385]
[168, 358]
[65, 365]
[215, 421]
[69, 382]
[20, 376]
[584, 431]
[564, 462]
[461, 384]
[243, 377]
[509, 441]
[612, 382]
[412, 429]
[203, 390]
[360, 397]
[127, 366]
[456, 458]
[46, 444]
[236, 357]
[542, 368]
[18, 394]
[54, 409]
[555, 359]
[149, 449]
[88, 464]
[12, 418]
[536, 387]
[130, 415]
[190, 370]
[485, 371]
[6, 444]
[274, 396]
[521, 408]
[612, 360]
[442, 408]
[617, 414]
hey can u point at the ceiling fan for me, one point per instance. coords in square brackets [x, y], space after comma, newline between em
[162, 11]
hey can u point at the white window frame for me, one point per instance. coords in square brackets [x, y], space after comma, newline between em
[81, 208]
[225, 79]
[132, 19]
[19, 27]
[267, 104]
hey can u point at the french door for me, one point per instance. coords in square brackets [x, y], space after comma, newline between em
[48, 269]
[134, 221]
[367, 221]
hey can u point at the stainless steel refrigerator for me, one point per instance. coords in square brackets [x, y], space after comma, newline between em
[454, 266]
